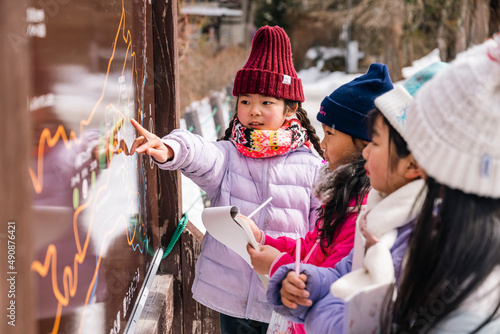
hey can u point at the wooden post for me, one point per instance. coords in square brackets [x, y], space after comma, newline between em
[178, 263]
[16, 290]
[216, 104]
[393, 40]
[157, 316]
[167, 104]
[192, 120]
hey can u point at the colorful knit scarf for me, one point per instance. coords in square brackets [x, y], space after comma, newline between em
[268, 143]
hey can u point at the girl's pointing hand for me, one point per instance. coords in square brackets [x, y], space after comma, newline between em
[150, 144]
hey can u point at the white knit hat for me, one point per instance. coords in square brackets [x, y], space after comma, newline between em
[453, 125]
[395, 103]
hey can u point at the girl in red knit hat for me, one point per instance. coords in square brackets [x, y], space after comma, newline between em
[267, 151]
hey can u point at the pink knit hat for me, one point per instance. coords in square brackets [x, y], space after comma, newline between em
[269, 69]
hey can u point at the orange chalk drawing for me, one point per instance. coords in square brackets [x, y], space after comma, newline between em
[49, 266]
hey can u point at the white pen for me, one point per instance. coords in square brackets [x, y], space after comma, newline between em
[260, 207]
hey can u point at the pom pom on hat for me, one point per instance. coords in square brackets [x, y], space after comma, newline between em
[453, 123]
[394, 104]
[347, 107]
[269, 69]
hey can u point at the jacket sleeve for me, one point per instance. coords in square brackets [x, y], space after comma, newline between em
[326, 316]
[283, 243]
[202, 161]
[318, 284]
[287, 246]
[343, 243]
[281, 260]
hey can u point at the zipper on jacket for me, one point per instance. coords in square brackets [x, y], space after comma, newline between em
[252, 296]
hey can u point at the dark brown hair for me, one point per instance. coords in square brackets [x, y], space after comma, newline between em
[395, 138]
[349, 182]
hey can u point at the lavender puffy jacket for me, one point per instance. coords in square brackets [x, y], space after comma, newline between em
[224, 281]
[326, 315]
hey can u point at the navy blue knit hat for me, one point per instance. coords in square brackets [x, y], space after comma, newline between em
[347, 107]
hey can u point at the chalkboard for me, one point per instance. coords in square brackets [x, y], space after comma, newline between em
[95, 209]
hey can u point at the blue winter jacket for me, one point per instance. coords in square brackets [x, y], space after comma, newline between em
[326, 313]
[224, 281]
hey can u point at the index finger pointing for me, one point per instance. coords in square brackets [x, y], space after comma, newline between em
[141, 130]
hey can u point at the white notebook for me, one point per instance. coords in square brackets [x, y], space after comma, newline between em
[223, 224]
[364, 309]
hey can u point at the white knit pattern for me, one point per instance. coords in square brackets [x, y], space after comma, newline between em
[394, 106]
[453, 126]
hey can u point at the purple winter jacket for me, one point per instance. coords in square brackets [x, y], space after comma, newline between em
[326, 313]
[224, 281]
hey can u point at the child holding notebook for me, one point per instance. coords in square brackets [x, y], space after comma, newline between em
[267, 151]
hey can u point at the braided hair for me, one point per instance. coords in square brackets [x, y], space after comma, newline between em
[306, 124]
[229, 129]
[301, 115]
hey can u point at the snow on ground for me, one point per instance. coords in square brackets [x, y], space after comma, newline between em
[316, 86]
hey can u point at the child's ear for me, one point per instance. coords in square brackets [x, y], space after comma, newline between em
[290, 110]
[413, 170]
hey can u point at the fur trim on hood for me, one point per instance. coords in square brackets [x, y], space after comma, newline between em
[322, 187]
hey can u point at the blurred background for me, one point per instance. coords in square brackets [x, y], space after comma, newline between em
[330, 35]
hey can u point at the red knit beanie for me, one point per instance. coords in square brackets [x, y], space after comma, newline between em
[269, 69]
